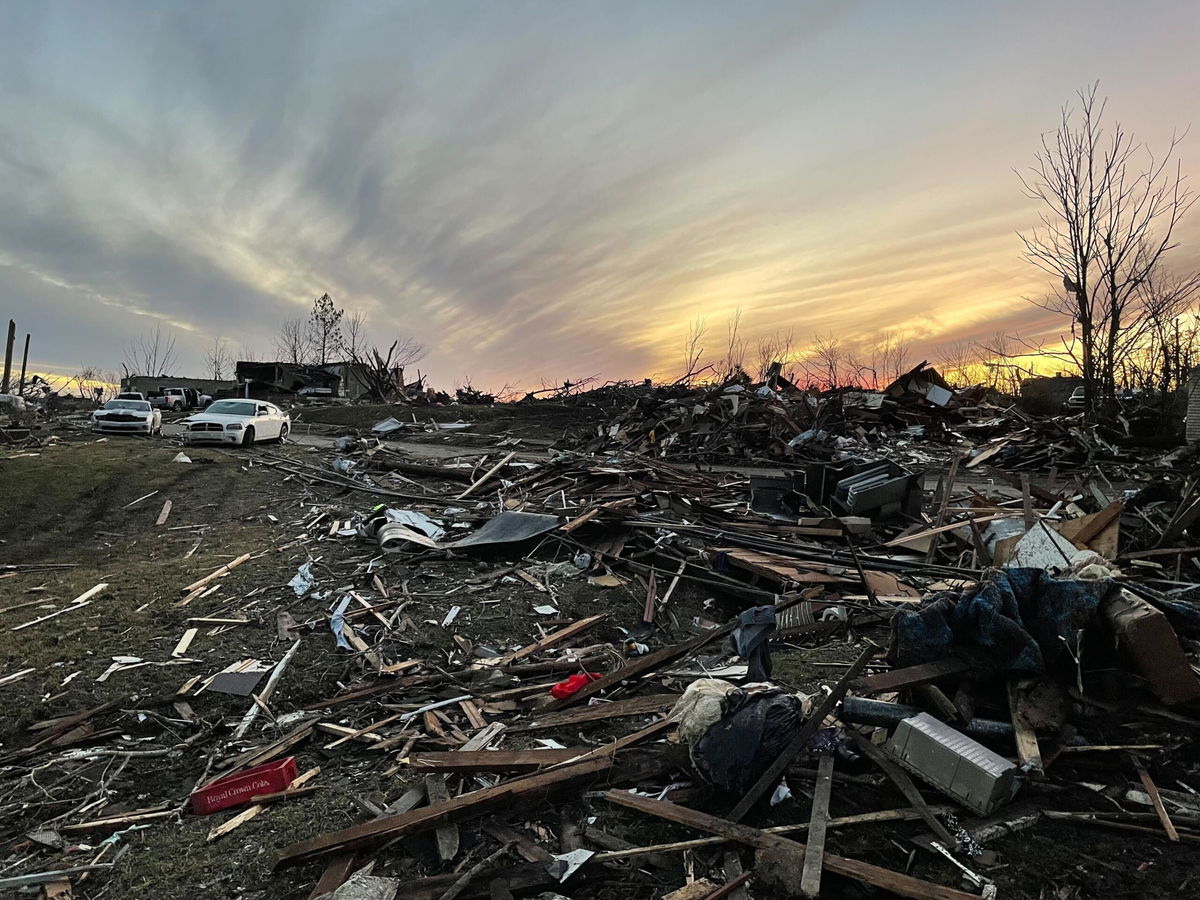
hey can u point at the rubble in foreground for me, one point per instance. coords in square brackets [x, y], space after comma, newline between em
[608, 671]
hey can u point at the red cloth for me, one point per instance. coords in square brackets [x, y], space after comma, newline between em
[566, 688]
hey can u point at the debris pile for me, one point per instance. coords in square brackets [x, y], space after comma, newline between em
[591, 672]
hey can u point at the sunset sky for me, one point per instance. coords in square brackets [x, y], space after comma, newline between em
[547, 189]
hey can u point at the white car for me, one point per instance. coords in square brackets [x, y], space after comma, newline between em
[237, 422]
[127, 417]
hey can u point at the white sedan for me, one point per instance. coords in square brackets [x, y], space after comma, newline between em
[237, 422]
[127, 417]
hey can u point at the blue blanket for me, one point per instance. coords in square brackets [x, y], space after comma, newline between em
[1019, 621]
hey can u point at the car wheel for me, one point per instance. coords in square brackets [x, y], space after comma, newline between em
[283, 433]
[248, 437]
[177, 407]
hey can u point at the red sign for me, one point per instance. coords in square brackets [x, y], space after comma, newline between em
[239, 789]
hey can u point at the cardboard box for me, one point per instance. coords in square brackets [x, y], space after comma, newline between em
[240, 789]
[1148, 640]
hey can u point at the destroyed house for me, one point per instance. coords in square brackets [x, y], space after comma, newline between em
[354, 378]
[922, 383]
[156, 384]
[263, 380]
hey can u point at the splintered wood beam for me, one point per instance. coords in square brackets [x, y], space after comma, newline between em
[223, 570]
[810, 878]
[898, 679]
[488, 474]
[466, 806]
[886, 879]
[446, 833]
[635, 706]
[900, 779]
[491, 760]
[552, 639]
[1156, 799]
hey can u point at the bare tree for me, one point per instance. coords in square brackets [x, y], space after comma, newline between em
[826, 365]
[735, 346]
[1007, 361]
[1110, 210]
[152, 353]
[248, 353]
[325, 329]
[775, 347]
[959, 363]
[895, 356]
[355, 338]
[218, 359]
[93, 384]
[693, 350]
[293, 342]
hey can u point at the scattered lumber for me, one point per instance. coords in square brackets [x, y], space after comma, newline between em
[465, 806]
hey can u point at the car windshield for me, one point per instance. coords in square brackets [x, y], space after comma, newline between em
[232, 408]
[140, 405]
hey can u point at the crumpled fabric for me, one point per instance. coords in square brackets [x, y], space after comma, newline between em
[749, 640]
[700, 707]
[1020, 621]
[754, 730]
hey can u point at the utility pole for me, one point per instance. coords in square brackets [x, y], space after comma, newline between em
[8, 349]
[24, 362]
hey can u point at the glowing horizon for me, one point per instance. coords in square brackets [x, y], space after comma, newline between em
[546, 191]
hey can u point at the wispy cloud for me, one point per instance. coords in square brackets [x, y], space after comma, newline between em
[532, 188]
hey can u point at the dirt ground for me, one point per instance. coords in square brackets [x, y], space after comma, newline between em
[79, 509]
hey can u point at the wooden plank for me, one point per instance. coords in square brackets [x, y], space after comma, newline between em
[904, 814]
[121, 821]
[1159, 809]
[465, 806]
[166, 512]
[223, 570]
[1084, 530]
[184, 642]
[636, 706]
[652, 730]
[946, 487]
[337, 872]
[810, 878]
[474, 716]
[447, 832]
[982, 520]
[488, 474]
[896, 882]
[364, 731]
[780, 569]
[491, 760]
[288, 794]
[78, 603]
[270, 751]
[770, 778]
[1028, 751]
[900, 778]
[553, 639]
[898, 679]
[14, 677]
